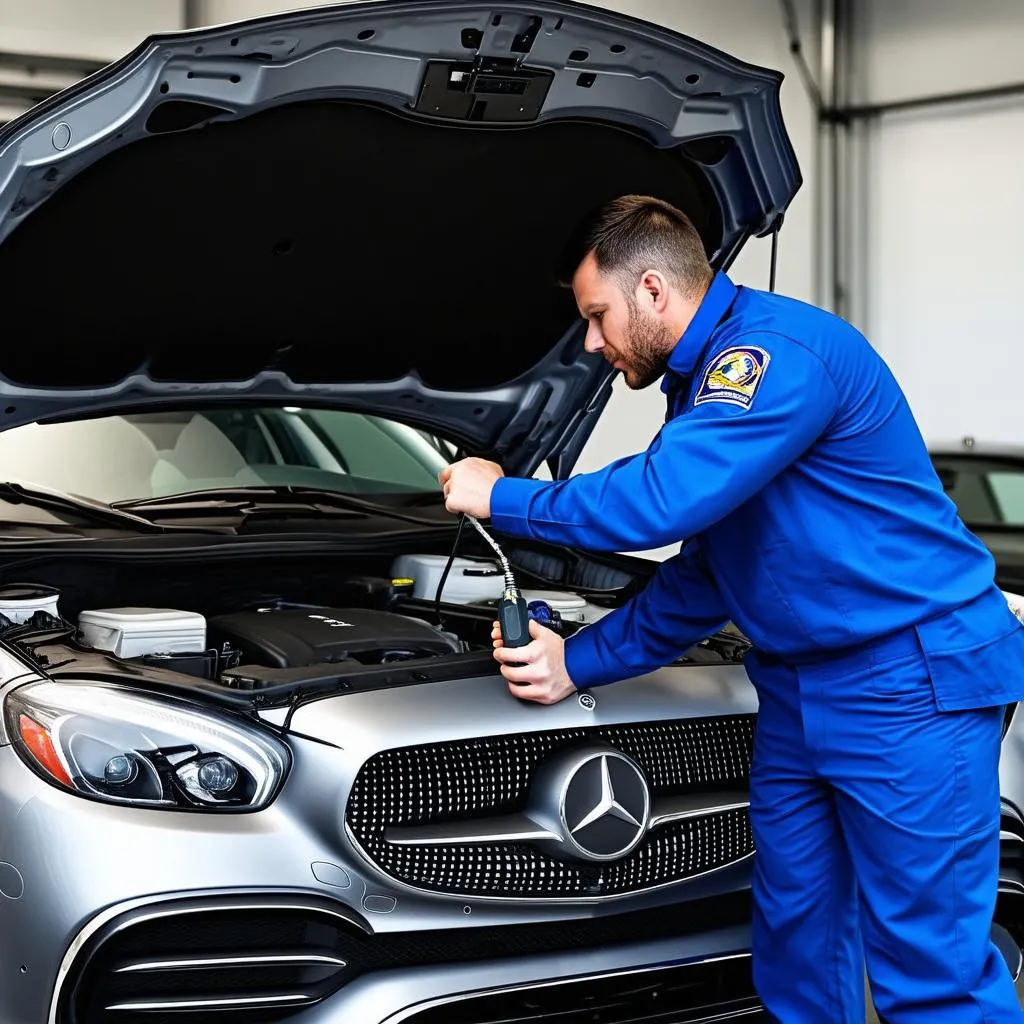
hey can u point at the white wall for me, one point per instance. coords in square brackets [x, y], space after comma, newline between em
[942, 280]
[99, 29]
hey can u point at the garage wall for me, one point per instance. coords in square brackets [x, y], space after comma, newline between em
[101, 29]
[940, 278]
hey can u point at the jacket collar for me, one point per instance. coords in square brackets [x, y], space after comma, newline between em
[713, 307]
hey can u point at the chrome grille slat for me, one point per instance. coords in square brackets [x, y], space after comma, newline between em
[225, 1003]
[206, 963]
[685, 762]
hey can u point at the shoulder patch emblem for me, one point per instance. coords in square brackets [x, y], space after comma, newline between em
[733, 376]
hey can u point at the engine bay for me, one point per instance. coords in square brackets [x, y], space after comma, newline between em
[269, 632]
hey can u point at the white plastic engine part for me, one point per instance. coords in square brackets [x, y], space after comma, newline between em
[469, 582]
[136, 632]
[571, 607]
[19, 604]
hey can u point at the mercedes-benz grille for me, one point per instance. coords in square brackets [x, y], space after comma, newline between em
[459, 817]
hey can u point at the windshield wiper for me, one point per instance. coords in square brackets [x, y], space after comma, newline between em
[87, 508]
[277, 499]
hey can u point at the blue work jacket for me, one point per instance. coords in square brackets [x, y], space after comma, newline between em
[791, 466]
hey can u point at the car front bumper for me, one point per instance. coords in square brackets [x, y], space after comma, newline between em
[701, 977]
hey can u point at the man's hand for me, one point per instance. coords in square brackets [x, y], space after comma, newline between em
[468, 485]
[537, 671]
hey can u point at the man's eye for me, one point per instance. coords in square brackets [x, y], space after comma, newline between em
[597, 316]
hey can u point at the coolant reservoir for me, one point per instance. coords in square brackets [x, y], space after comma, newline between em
[469, 582]
[19, 602]
[136, 632]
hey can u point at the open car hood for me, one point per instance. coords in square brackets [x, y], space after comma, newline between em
[364, 207]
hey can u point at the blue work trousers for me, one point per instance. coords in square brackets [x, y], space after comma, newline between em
[876, 823]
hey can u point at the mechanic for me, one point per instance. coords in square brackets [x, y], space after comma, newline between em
[793, 472]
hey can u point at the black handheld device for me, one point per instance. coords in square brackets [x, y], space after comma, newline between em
[513, 612]
[514, 619]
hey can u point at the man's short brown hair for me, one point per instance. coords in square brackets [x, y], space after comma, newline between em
[634, 234]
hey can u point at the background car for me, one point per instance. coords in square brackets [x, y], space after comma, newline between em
[987, 484]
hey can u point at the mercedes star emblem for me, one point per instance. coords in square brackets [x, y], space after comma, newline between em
[605, 806]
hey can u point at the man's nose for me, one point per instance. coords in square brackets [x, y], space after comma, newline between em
[594, 340]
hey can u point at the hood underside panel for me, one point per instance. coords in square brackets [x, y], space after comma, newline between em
[366, 207]
[331, 241]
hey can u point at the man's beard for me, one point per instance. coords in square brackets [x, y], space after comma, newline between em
[648, 346]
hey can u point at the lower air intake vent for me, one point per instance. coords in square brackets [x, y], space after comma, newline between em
[253, 965]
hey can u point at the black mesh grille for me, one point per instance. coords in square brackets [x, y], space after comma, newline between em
[491, 777]
[676, 851]
[685, 994]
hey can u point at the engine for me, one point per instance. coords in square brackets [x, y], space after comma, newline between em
[279, 643]
[259, 645]
[241, 640]
[293, 638]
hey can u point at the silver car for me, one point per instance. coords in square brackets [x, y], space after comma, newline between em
[256, 761]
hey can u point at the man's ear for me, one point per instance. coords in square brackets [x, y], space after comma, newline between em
[653, 291]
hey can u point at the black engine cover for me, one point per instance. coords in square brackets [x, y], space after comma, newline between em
[294, 638]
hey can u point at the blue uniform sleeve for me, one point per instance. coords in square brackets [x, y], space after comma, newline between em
[679, 607]
[759, 405]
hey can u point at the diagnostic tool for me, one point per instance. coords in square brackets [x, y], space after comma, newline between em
[513, 613]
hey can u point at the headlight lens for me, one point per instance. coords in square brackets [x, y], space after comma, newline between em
[132, 748]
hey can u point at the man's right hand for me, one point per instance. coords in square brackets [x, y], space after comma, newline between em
[537, 671]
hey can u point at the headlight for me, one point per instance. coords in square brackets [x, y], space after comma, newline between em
[131, 748]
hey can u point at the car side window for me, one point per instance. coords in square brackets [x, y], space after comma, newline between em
[987, 492]
[1008, 489]
[973, 498]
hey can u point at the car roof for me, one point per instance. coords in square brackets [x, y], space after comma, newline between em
[958, 449]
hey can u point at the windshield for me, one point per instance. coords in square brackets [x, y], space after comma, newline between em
[150, 455]
[988, 492]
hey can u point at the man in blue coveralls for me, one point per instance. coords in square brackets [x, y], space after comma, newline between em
[791, 467]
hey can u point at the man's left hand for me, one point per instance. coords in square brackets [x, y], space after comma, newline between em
[537, 671]
[468, 484]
